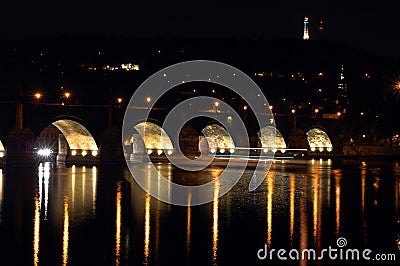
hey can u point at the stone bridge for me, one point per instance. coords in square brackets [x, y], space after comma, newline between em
[92, 133]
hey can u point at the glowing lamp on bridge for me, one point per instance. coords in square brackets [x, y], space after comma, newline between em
[2, 154]
[231, 150]
[213, 150]
[222, 150]
[45, 152]
[321, 149]
[274, 150]
[94, 153]
[84, 153]
[159, 152]
[265, 150]
[329, 149]
[169, 152]
[73, 152]
[149, 151]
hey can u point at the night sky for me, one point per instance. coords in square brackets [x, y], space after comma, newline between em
[371, 26]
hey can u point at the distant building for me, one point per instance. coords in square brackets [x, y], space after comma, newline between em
[320, 30]
[321, 25]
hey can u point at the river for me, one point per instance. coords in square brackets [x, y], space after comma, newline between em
[98, 215]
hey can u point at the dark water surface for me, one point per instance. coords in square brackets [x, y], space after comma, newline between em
[97, 215]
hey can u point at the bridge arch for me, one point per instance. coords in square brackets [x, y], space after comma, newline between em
[154, 137]
[271, 137]
[2, 150]
[75, 135]
[318, 140]
[218, 138]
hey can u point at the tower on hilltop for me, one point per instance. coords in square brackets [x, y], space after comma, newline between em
[306, 35]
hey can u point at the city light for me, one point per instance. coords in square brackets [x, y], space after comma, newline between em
[271, 107]
[316, 110]
[67, 95]
[293, 111]
[216, 104]
[38, 95]
[338, 114]
[245, 107]
[119, 100]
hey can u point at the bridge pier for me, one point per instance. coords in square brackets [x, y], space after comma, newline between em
[62, 149]
[20, 142]
[110, 146]
[138, 149]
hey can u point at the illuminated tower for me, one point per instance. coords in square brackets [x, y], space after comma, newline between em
[342, 100]
[306, 36]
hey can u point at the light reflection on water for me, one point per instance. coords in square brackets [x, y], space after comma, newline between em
[118, 225]
[36, 231]
[65, 237]
[94, 215]
[215, 175]
[270, 190]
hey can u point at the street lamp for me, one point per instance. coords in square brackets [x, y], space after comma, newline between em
[67, 94]
[293, 111]
[148, 100]
[119, 100]
[216, 104]
[38, 95]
